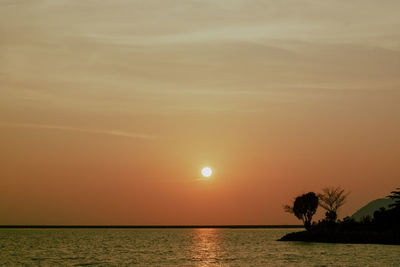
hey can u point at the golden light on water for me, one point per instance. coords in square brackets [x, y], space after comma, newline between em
[206, 248]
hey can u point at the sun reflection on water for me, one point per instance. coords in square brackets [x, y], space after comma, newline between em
[206, 249]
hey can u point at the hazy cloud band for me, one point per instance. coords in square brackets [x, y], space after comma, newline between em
[76, 129]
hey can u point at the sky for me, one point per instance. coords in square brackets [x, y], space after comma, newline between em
[110, 109]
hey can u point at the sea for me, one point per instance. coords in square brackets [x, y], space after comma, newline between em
[181, 247]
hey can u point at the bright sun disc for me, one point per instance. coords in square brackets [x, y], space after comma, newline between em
[206, 172]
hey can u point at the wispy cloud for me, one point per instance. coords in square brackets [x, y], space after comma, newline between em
[77, 129]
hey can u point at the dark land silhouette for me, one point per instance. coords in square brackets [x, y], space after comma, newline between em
[381, 228]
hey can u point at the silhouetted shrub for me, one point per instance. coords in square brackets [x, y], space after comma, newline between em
[304, 208]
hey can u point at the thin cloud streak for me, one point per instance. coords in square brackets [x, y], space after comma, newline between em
[76, 129]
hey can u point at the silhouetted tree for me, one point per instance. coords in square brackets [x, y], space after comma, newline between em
[395, 195]
[331, 200]
[304, 207]
[288, 208]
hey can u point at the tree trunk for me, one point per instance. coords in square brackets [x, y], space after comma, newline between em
[307, 225]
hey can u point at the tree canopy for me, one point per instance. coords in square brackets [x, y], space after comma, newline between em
[395, 195]
[304, 207]
[331, 199]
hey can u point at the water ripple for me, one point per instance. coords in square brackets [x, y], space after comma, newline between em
[181, 247]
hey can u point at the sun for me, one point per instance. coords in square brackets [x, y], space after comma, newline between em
[206, 172]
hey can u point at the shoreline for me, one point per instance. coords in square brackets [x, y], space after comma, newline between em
[345, 237]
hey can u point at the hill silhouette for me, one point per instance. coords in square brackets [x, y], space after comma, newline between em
[371, 207]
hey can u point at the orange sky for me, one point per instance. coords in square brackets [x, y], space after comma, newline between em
[109, 109]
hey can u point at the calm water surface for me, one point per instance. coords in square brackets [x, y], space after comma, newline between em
[181, 247]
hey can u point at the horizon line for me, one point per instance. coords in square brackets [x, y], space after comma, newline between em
[154, 226]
